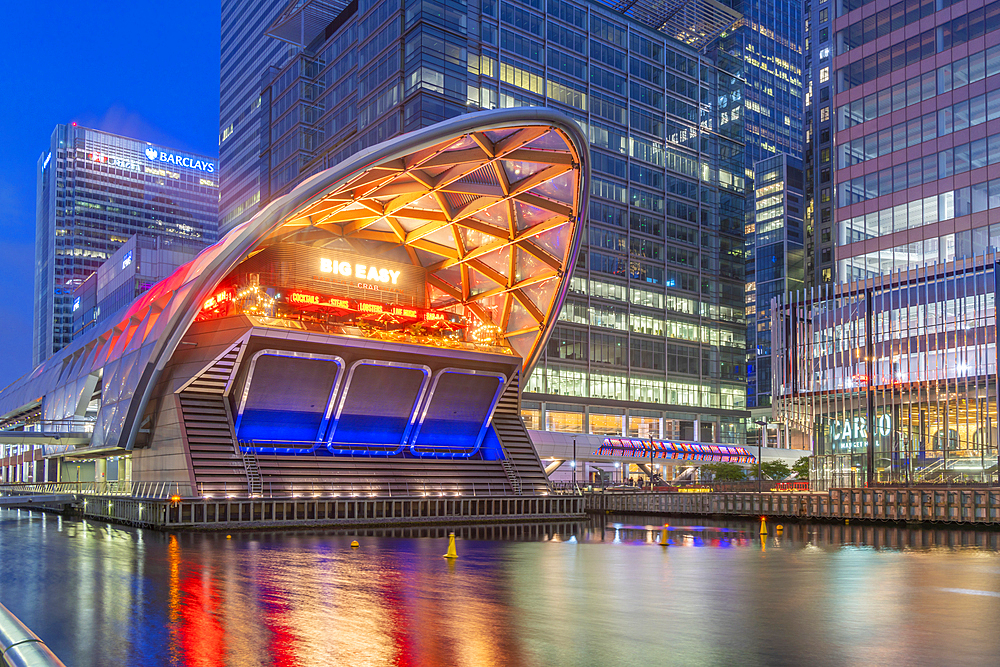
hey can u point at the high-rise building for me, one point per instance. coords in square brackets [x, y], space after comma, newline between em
[914, 107]
[247, 57]
[651, 341]
[777, 204]
[141, 262]
[898, 105]
[94, 191]
[819, 131]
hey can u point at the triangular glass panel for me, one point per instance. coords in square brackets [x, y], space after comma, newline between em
[498, 260]
[438, 298]
[493, 305]
[529, 216]
[518, 170]
[465, 142]
[555, 240]
[472, 239]
[550, 141]
[527, 266]
[443, 236]
[426, 258]
[451, 275]
[479, 283]
[409, 224]
[520, 318]
[523, 343]
[560, 188]
[496, 215]
[499, 135]
[541, 293]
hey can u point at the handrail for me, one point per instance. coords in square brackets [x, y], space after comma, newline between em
[20, 647]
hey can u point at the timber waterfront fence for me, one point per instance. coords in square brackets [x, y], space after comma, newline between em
[970, 506]
[226, 513]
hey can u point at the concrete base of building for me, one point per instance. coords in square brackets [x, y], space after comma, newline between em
[271, 513]
[897, 504]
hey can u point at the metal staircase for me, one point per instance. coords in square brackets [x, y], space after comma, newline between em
[219, 464]
[255, 484]
[521, 464]
[511, 472]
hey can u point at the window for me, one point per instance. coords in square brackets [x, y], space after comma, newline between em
[824, 114]
[824, 74]
[824, 15]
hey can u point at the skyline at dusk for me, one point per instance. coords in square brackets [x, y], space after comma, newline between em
[110, 69]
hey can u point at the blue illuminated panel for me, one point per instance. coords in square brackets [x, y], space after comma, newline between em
[378, 408]
[286, 402]
[456, 413]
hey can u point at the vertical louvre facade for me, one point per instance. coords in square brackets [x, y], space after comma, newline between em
[893, 379]
[651, 339]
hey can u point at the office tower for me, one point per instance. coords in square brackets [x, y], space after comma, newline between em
[246, 57]
[914, 105]
[651, 340]
[136, 266]
[819, 131]
[94, 191]
[778, 201]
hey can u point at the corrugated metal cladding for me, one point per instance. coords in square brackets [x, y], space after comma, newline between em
[893, 379]
[300, 266]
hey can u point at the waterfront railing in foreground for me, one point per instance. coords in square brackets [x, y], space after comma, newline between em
[959, 505]
[166, 490]
[20, 646]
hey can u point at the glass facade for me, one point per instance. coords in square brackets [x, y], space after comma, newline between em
[893, 380]
[917, 91]
[96, 190]
[777, 250]
[654, 320]
[819, 131]
[246, 57]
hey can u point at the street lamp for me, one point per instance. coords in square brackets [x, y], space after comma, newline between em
[760, 445]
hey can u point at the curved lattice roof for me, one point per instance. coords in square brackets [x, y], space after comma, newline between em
[488, 203]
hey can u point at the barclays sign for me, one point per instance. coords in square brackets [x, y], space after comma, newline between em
[156, 155]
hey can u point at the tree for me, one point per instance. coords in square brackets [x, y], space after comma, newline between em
[776, 470]
[801, 467]
[725, 472]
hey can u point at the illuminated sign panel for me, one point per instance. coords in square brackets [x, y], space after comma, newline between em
[156, 155]
[359, 271]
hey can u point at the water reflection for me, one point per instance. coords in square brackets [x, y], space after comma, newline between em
[603, 592]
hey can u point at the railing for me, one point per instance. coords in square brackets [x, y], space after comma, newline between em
[380, 489]
[115, 488]
[22, 647]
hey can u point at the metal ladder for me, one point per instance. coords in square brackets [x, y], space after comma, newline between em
[255, 485]
[512, 477]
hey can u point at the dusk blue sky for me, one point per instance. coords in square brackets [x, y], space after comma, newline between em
[148, 70]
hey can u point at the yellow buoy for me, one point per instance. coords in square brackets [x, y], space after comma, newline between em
[847, 521]
[355, 545]
[779, 528]
[663, 535]
[229, 537]
[451, 547]
[763, 526]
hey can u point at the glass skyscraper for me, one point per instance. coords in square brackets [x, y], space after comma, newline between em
[651, 341]
[94, 191]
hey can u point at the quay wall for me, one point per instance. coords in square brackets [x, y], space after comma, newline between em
[967, 506]
[258, 513]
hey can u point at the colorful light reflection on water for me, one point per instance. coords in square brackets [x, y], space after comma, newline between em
[599, 593]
